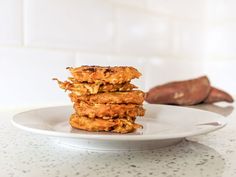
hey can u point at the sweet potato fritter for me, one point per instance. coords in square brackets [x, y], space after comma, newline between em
[93, 88]
[113, 75]
[132, 97]
[93, 125]
[108, 111]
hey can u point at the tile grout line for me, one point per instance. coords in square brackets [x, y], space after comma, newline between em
[115, 40]
[155, 13]
[24, 31]
[162, 55]
[22, 23]
[115, 30]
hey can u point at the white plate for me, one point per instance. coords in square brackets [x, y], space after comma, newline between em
[163, 125]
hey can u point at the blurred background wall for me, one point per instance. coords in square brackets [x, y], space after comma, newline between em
[165, 39]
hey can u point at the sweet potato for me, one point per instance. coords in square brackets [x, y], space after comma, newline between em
[188, 92]
[216, 95]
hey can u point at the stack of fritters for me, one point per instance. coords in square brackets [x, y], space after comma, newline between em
[104, 99]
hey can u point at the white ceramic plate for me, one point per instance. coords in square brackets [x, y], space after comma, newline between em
[163, 125]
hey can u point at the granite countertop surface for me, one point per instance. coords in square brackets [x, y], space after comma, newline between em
[23, 154]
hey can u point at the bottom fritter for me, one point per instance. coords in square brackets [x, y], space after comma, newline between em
[125, 125]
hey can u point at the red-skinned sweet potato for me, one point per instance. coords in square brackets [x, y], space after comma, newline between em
[216, 95]
[188, 92]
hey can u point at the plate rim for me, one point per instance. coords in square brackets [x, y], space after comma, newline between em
[117, 137]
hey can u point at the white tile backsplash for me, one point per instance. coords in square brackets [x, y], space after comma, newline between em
[222, 74]
[11, 22]
[77, 24]
[132, 3]
[165, 39]
[188, 39]
[221, 10]
[140, 33]
[179, 8]
[161, 71]
[27, 76]
[221, 40]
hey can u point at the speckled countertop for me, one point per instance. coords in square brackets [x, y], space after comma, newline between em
[23, 154]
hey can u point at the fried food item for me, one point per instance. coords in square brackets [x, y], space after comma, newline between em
[93, 88]
[132, 97]
[188, 92]
[113, 75]
[94, 125]
[108, 111]
[104, 99]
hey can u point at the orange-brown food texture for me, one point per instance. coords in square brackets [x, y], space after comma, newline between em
[187, 92]
[95, 125]
[113, 75]
[93, 88]
[107, 111]
[132, 97]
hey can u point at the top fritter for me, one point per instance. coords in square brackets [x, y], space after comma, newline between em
[113, 75]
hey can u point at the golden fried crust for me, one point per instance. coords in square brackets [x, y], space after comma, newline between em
[107, 111]
[94, 88]
[94, 125]
[113, 75]
[132, 97]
